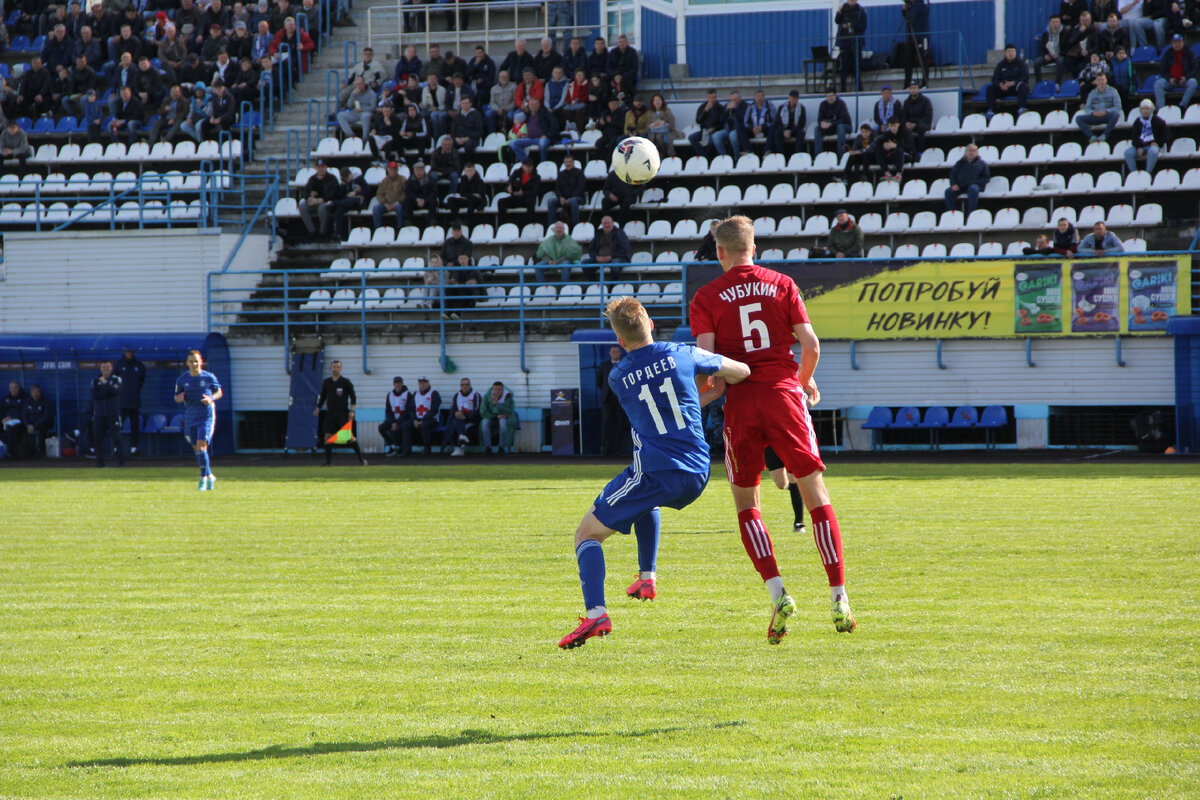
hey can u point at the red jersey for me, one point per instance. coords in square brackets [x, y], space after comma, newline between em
[752, 311]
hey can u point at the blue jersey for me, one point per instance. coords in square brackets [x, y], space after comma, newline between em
[656, 385]
[193, 388]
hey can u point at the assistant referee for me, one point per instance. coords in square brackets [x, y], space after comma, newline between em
[337, 395]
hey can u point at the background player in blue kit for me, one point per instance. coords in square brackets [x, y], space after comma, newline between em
[656, 383]
[199, 391]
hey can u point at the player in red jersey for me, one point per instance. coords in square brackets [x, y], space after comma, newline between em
[755, 315]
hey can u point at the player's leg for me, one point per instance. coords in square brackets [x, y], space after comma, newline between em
[647, 530]
[797, 499]
[828, 537]
[589, 555]
[114, 430]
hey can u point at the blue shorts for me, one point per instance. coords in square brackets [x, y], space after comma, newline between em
[633, 494]
[199, 428]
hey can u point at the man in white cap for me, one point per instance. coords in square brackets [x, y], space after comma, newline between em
[1149, 134]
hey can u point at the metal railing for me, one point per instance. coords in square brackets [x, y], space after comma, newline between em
[407, 24]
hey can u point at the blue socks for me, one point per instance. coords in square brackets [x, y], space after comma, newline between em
[202, 462]
[590, 556]
[646, 530]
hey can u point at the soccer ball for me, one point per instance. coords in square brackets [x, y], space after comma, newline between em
[635, 160]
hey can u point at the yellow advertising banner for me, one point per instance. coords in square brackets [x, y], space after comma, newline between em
[983, 299]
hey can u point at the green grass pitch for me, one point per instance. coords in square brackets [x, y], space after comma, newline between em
[1025, 631]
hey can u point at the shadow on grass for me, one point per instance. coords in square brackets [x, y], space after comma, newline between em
[433, 741]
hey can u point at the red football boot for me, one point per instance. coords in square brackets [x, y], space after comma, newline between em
[600, 626]
[642, 589]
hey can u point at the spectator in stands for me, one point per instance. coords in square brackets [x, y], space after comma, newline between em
[861, 155]
[187, 19]
[299, 46]
[735, 135]
[524, 189]
[760, 119]
[498, 417]
[1070, 11]
[1112, 36]
[1087, 76]
[619, 89]
[787, 136]
[359, 107]
[1149, 135]
[455, 92]
[556, 94]
[406, 65]
[172, 50]
[502, 102]
[58, 49]
[570, 192]
[518, 60]
[467, 127]
[609, 250]
[452, 65]
[969, 175]
[917, 116]
[573, 115]
[529, 88]
[1051, 50]
[433, 101]
[461, 280]
[223, 68]
[128, 117]
[845, 237]
[708, 247]
[624, 62]
[560, 250]
[637, 119]
[1137, 17]
[312, 11]
[1122, 78]
[14, 144]
[94, 111]
[414, 132]
[260, 43]
[421, 197]
[240, 44]
[214, 43]
[545, 60]
[89, 48]
[1080, 41]
[124, 42]
[833, 119]
[598, 96]
[541, 129]
[617, 194]
[597, 61]
[885, 108]
[389, 197]
[82, 81]
[1010, 78]
[1041, 247]
[218, 16]
[660, 127]
[464, 417]
[39, 418]
[367, 69]
[13, 408]
[33, 91]
[1100, 9]
[1103, 107]
[422, 420]
[223, 113]
[456, 245]
[851, 22]
[396, 408]
[1176, 21]
[75, 20]
[198, 112]
[575, 58]
[353, 194]
[244, 86]
[710, 117]
[481, 75]
[1065, 240]
[895, 146]
[445, 162]
[150, 89]
[433, 64]
[472, 195]
[170, 118]
[320, 191]
[1100, 242]
[1178, 72]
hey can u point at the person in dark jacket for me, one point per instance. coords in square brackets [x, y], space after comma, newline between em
[1177, 73]
[407, 65]
[862, 154]
[570, 191]
[422, 418]
[106, 414]
[150, 88]
[13, 409]
[787, 136]
[1051, 49]
[545, 60]
[467, 127]
[128, 117]
[132, 373]
[895, 145]
[1066, 239]
[969, 175]
[34, 89]
[542, 130]
[320, 191]
[609, 247]
[524, 189]
[224, 111]
[917, 116]
[517, 60]
[1149, 135]
[614, 425]
[39, 418]
[1010, 78]
[611, 125]
[851, 22]
[472, 193]
[916, 35]
[735, 135]
[481, 74]
[617, 194]
[58, 49]
[623, 61]
[710, 117]
[446, 162]
[1070, 10]
[353, 194]
[396, 408]
[1078, 43]
[574, 58]
[420, 197]
[833, 119]
[597, 60]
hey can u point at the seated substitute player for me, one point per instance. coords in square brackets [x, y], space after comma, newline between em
[199, 390]
[657, 385]
[756, 314]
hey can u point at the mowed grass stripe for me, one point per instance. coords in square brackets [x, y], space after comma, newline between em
[1025, 631]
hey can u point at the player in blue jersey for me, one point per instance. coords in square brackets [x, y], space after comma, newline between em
[199, 391]
[656, 383]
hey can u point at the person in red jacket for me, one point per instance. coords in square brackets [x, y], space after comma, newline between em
[299, 46]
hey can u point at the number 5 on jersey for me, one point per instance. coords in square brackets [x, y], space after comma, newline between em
[753, 327]
[668, 389]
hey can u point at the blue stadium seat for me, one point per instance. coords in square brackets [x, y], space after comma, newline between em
[1196, 50]
[992, 419]
[37, 44]
[155, 423]
[1068, 90]
[879, 419]
[5, 70]
[963, 417]
[44, 125]
[1044, 90]
[936, 418]
[25, 124]
[907, 417]
[982, 95]
[13, 17]
[19, 43]
[125, 425]
[1144, 55]
[156, 63]
[251, 119]
[176, 425]
[67, 125]
[1147, 86]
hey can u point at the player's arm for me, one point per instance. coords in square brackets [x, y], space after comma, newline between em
[732, 371]
[810, 354]
[208, 400]
[179, 394]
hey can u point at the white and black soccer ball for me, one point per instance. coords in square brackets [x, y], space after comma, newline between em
[635, 160]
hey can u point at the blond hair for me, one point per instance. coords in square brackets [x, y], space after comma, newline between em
[628, 318]
[735, 234]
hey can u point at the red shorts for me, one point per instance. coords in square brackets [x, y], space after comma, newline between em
[757, 416]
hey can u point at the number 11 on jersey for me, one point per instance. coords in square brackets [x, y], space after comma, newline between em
[668, 389]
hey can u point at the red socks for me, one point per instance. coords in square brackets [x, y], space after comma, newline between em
[829, 543]
[757, 542]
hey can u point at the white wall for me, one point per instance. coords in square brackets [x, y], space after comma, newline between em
[115, 281]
